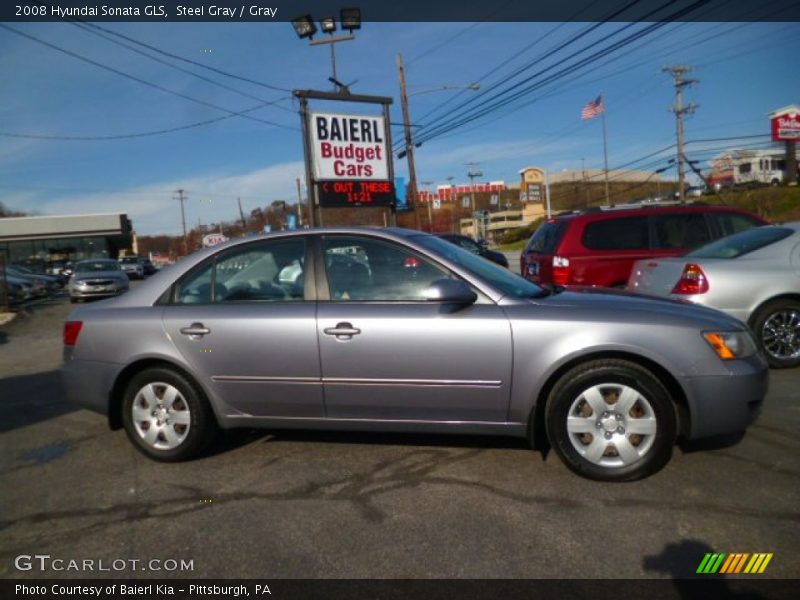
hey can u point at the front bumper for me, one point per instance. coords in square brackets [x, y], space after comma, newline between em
[76, 292]
[724, 404]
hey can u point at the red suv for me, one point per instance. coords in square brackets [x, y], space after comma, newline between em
[599, 245]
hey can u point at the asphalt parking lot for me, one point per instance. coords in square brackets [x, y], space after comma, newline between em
[303, 505]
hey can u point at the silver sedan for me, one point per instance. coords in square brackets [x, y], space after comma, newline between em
[752, 275]
[395, 330]
[97, 278]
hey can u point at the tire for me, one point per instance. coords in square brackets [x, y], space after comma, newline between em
[777, 329]
[635, 443]
[188, 424]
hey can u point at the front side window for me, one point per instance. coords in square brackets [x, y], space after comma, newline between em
[675, 231]
[364, 269]
[732, 223]
[628, 233]
[260, 272]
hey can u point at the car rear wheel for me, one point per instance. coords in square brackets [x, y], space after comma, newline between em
[166, 416]
[777, 327]
[611, 420]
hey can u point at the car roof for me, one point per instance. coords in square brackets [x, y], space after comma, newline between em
[622, 210]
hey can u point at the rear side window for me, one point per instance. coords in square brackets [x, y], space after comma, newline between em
[676, 230]
[628, 233]
[729, 223]
[742, 243]
[546, 239]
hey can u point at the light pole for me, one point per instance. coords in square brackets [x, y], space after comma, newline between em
[428, 185]
[305, 27]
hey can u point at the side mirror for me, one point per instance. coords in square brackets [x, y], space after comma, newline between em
[452, 291]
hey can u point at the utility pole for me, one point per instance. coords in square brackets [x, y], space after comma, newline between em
[680, 110]
[299, 204]
[180, 196]
[428, 185]
[241, 215]
[409, 146]
[473, 173]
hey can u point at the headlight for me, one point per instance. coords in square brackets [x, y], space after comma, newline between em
[80, 283]
[730, 345]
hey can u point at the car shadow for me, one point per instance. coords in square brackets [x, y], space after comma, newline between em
[3, 337]
[29, 399]
[719, 442]
[238, 438]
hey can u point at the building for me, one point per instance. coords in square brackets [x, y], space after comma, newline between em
[41, 242]
[491, 225]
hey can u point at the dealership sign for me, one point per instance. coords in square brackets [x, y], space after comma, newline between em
[786, 124]
[212, 239]
[348, 147]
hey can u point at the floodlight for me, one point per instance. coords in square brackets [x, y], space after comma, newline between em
[327, 24]
[350, 18]
[304, 26]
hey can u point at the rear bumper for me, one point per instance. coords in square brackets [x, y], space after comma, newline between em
[727, 404]
[88, 384]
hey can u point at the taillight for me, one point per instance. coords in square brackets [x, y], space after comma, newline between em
[692, 281]
[560, 270]
[72, 330]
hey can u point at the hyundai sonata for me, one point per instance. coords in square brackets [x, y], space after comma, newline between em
[395, 330]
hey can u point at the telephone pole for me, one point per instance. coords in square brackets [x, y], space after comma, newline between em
[680, 110]
[180, 196]
[241, 215]
[409, 145]
[299, 204]
[472, 173]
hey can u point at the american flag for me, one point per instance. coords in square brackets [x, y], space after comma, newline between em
[593, 108]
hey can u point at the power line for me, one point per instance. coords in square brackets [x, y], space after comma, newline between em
[187, 60]
[264, 102]
[464, 117]
[123, 136]
[142, 81]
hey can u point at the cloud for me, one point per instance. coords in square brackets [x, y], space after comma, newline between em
[153, 209]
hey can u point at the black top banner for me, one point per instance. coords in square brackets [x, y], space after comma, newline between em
[228, 11]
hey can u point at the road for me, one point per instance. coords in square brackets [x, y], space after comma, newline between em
[301, 505]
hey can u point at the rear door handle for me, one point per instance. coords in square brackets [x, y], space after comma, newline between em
[342, 330]
[195, 330]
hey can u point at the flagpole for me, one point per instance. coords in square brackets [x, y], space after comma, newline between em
[605, 145]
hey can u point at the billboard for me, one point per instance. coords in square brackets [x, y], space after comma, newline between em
[786, 125]
[348, 147]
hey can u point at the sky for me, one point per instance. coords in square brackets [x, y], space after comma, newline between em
[744, 71]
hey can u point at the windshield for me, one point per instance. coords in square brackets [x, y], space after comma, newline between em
[97, 265]
[499, 277]
[129, 260]
[742, 243]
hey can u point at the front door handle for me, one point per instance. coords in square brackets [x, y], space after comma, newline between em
[342, 330]
[195, 330]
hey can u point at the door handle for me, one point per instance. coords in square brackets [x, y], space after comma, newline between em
[342, 330]
[195, 330]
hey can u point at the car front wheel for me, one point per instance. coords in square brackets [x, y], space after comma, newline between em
[611, 420]
[166, 416]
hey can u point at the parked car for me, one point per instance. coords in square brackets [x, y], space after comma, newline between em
[753, 275]
[34, 288]
[598, 246]
[16, 292]
[97, 278]
[148, 266]
[425, 336]
[132, 267]
[52, 284]
[480, 248]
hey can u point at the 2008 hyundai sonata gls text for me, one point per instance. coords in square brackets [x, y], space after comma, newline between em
[395, 330]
